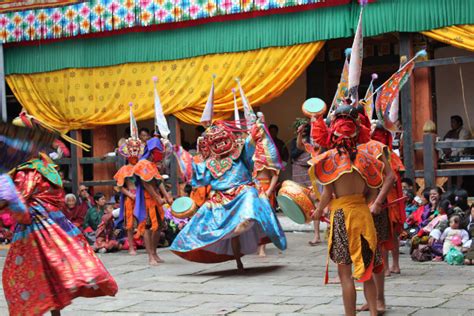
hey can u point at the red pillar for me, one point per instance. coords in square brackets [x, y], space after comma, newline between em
[103, 140]
[422, 107]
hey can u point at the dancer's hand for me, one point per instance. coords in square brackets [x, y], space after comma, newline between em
[317, 214]
[376, 208]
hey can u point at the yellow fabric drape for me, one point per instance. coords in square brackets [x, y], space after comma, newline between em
[87, 97]
[461, 36]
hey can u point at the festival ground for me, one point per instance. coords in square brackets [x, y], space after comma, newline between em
[288, 283]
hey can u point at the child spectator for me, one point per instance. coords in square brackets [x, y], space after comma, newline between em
[453, 236]
[105, 234]
[94, 217]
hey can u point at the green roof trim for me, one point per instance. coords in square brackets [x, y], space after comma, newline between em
[381, 17]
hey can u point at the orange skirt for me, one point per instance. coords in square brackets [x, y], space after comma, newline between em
[359, 230]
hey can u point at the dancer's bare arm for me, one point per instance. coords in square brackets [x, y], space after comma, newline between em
[326, 197]
[165, 193]
[389, 179]
[153, 192]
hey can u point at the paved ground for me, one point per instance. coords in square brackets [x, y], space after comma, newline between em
[288, 283]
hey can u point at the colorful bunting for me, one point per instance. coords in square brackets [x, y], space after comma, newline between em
[95, 16]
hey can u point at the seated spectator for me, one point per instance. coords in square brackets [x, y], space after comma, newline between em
[407, 184]
[84, 201]
[453, 236]
[94, 217]
[73, 212]
[457, 132]
[414, 219]
[460, 206]
[443, 209]
[431, 209]
[105, 238]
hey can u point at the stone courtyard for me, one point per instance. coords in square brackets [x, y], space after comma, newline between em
[288, 283]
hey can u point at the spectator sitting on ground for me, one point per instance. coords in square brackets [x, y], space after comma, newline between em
[453, 236]
[407, 184]
[105, 238]
[414, 219]
[85, 201]
[73, 212]
[431, 209]
[94, 217]
[457, 132]
[460, 206]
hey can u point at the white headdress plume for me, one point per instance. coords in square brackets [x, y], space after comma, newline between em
[133, 123]
[249, 114]
[208, 112]
[160, 120]
[357, 54]
[236, 110]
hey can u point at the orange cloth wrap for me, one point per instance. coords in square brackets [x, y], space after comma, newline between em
[155, 215]
[263, 185]
[129, 205]
[359, 223]
[200, 195]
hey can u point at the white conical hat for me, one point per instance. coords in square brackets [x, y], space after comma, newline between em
[208, 112]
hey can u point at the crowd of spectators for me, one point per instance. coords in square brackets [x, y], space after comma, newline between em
[439, 225]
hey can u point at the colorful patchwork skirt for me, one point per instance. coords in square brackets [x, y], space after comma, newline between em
[49, 264]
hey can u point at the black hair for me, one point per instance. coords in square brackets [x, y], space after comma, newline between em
[461, 199]
[188, 188]
[444, 204]
[98, 196]
[128, 131]
[426, 193]
[449, 195]
[438, 189]
[200, 129]
[273, 126]
[458, 119]
[407, 181]
[117, 197]
[144, 129]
